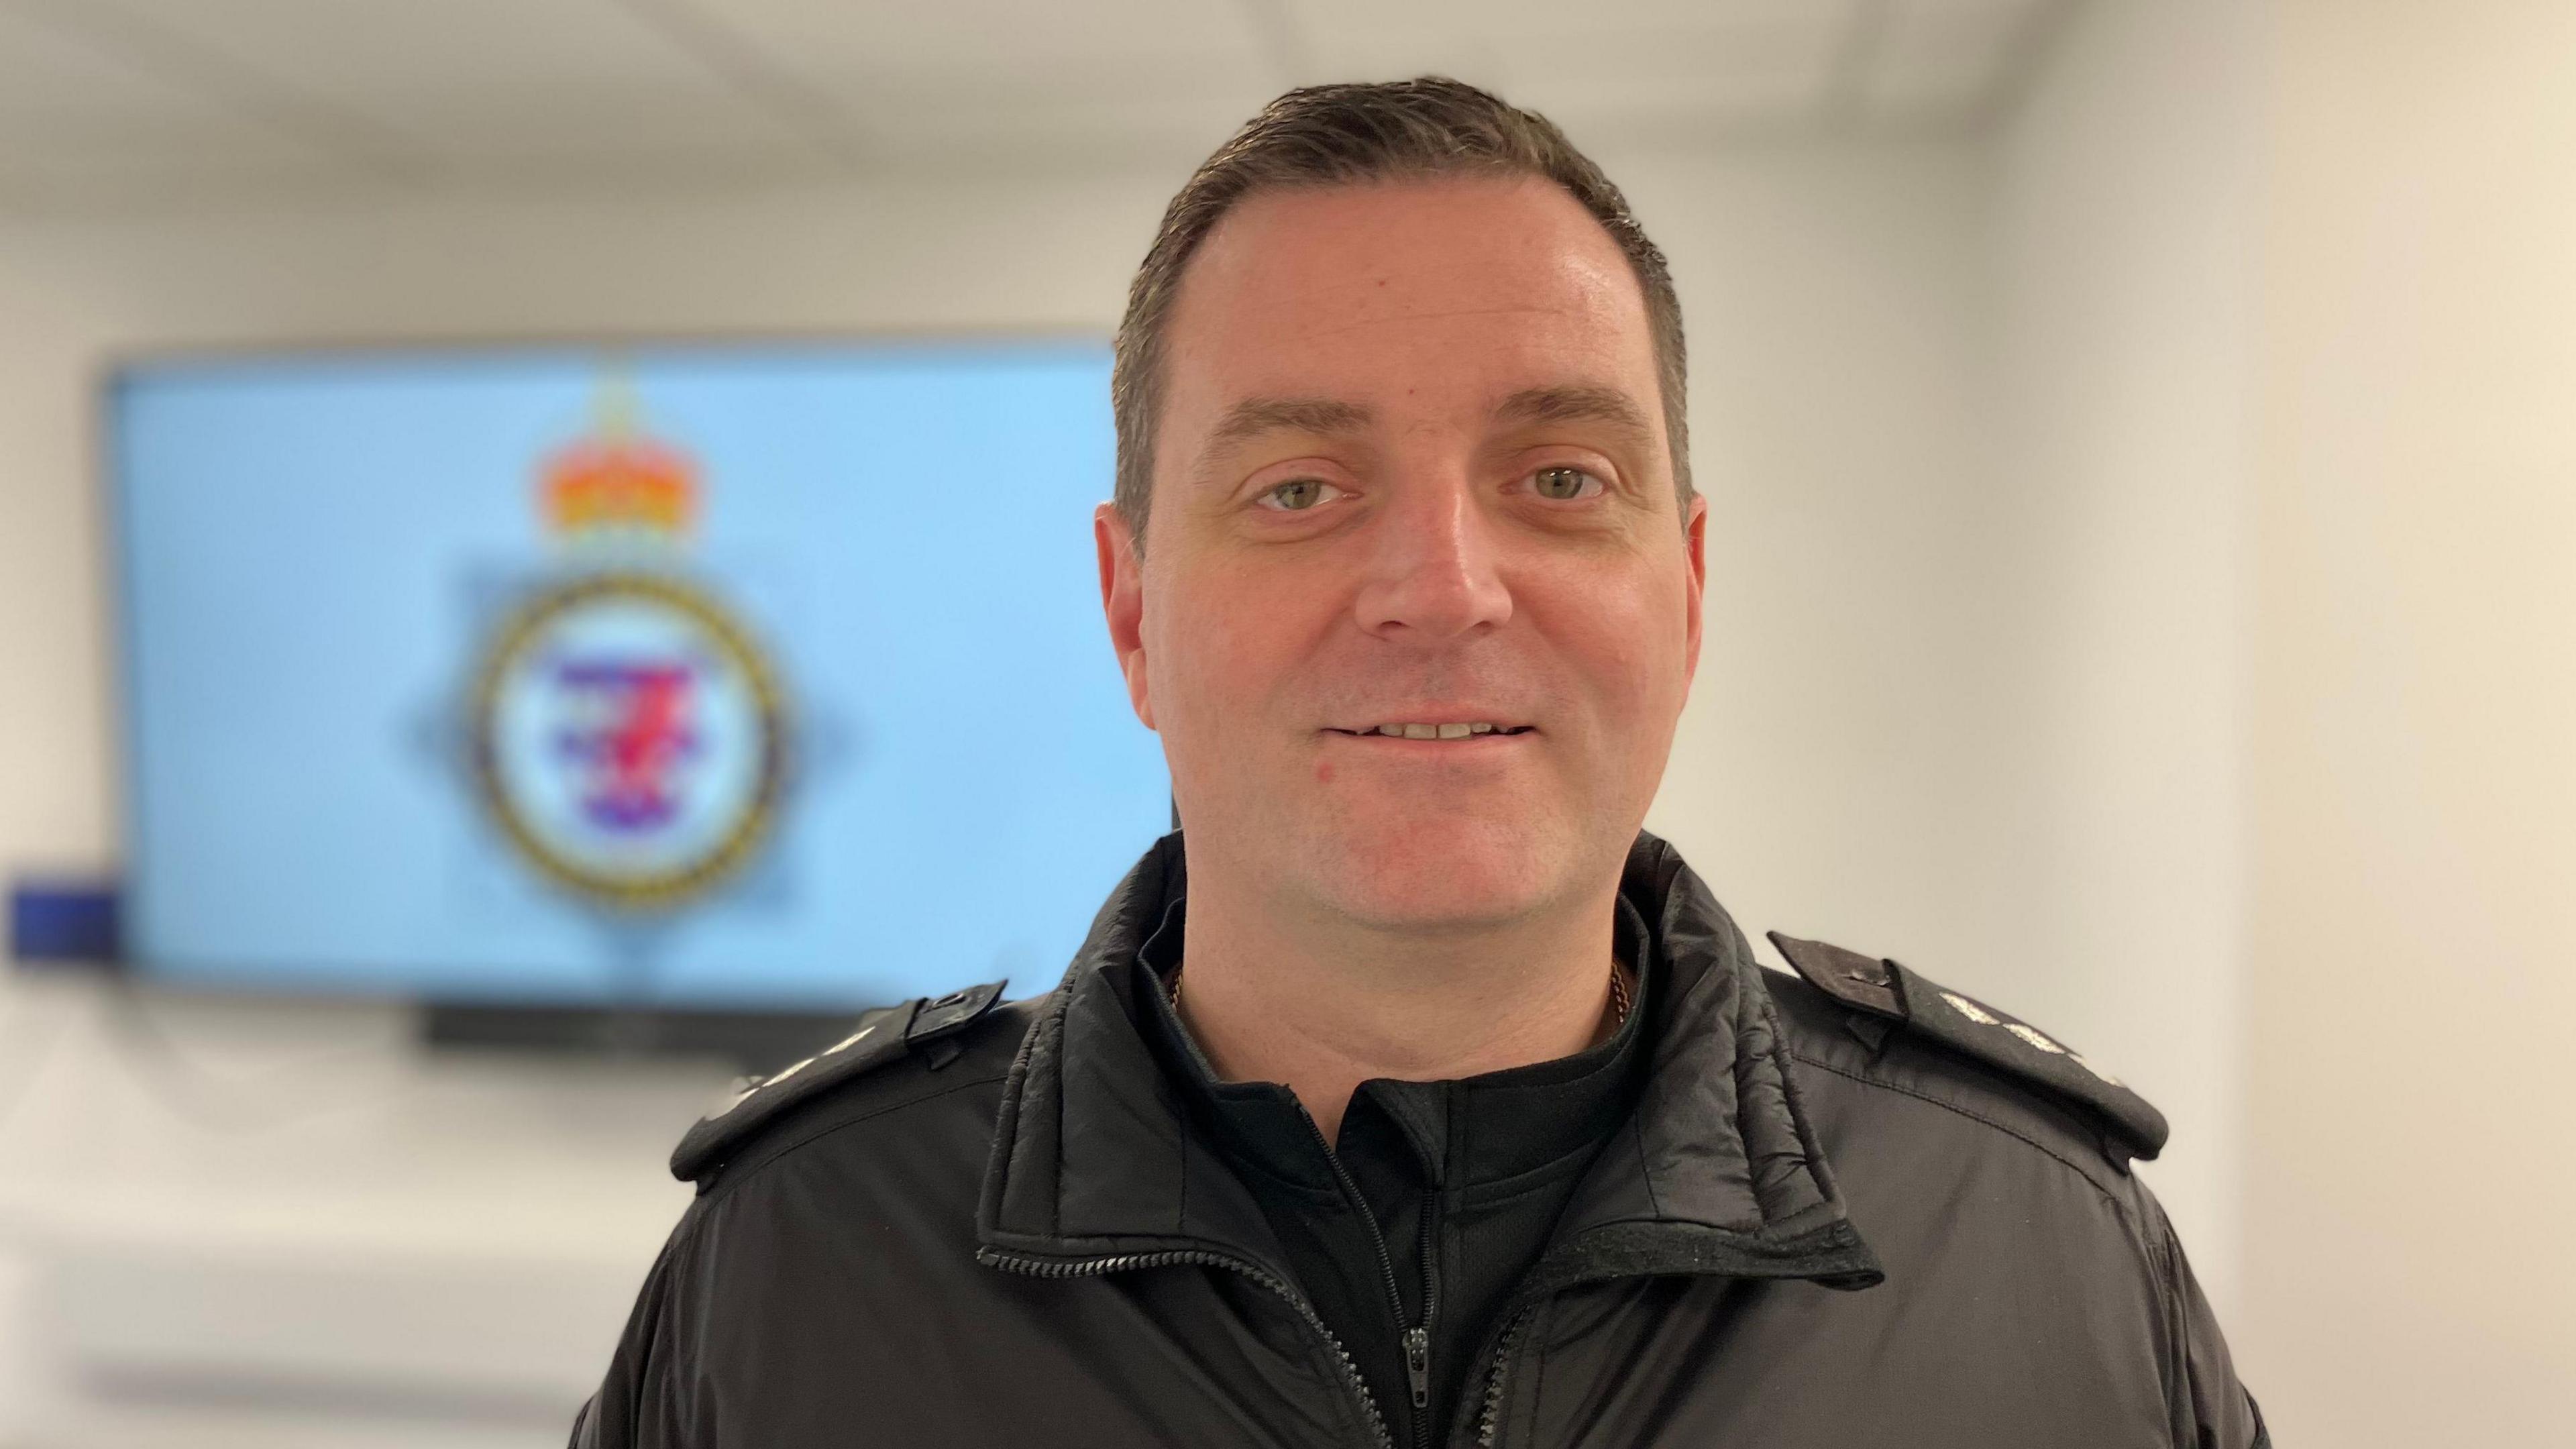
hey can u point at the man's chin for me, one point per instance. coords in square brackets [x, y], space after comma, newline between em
[1464, 885]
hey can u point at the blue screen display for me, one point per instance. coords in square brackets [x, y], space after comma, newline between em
[695, 676]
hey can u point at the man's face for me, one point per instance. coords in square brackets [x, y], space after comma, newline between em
[1411, 471]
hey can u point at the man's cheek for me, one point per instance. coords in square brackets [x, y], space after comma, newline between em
[1202, 687]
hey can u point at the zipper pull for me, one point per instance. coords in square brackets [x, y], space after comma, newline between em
[1417, 1364]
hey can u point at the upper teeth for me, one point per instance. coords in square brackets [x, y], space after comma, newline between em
[1435, 731]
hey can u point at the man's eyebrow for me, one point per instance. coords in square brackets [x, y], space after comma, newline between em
[1573, 404]
[1252, 417]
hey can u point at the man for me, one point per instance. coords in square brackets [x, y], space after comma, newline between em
[1411, 1096]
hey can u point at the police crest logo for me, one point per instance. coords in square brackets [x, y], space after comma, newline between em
[628, 735]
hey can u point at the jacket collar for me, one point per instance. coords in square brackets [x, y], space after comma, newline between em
[1095, 1154]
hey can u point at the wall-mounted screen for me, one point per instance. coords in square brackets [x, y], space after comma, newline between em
[695, 676]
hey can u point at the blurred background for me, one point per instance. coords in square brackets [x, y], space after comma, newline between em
[2142, 443]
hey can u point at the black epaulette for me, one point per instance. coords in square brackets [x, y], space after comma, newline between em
[884, 1034]
[1888, 990]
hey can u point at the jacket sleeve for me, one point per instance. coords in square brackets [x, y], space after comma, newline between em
[2212, 1408]
[637, 1405]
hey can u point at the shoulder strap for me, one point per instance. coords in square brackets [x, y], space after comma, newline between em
[1883, 988]
[883, 1035]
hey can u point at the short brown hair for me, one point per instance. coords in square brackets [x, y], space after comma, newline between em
[1343, 134]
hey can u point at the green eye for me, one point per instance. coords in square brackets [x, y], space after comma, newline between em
[1298, 496]
[1564, 485]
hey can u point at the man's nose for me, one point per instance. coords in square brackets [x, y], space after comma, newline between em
[1435, 568]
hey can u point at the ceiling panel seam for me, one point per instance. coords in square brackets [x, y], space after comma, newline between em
[2025, 54]
[232, 82]
[1841, 100]
[751, 72]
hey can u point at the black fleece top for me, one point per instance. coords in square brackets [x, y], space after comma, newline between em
[1435, 1199]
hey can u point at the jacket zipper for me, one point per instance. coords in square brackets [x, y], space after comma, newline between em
[1092, 1267]
[1489, 1421]
[1416, 1338]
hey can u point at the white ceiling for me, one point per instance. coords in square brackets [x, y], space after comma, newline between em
[149, 99]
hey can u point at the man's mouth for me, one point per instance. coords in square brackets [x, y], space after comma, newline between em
[1445, 730]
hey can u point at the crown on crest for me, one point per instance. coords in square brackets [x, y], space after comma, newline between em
[617, 480]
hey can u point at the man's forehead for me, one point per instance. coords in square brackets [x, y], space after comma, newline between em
[1485, 294]
[1317, 261]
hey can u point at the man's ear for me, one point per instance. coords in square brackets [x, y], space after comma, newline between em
[1695, 552]
[1122, 600]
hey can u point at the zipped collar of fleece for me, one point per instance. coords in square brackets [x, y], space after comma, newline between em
[1095, 1154]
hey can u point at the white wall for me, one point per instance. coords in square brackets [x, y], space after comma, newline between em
[2289, 336]
[1974, 435]
[1840, 772]
[1835, 776]
[2124, 269]
[2411, 1274]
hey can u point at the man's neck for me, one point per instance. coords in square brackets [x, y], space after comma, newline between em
[1322, 1009]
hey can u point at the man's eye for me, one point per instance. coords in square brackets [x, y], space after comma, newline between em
[1298, 496]
[1564, 485]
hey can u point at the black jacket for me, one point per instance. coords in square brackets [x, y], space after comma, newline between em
[1854, 1209]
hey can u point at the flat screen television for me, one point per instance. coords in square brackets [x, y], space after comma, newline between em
[712, 677]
